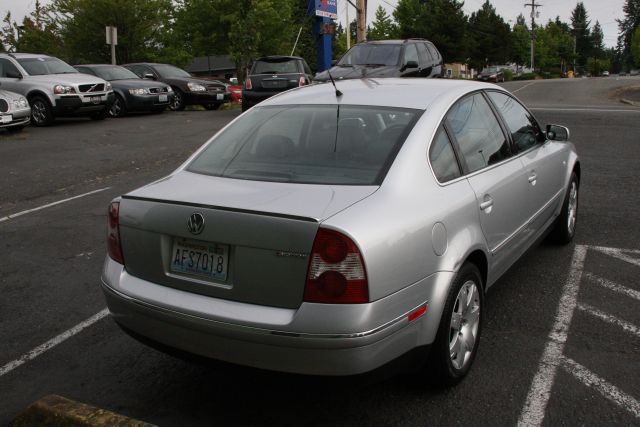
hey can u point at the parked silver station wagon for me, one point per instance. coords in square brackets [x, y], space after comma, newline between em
[330, 231]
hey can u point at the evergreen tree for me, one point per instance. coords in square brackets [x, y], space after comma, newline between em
[441, 21]
[490, 37]
[581, 33]
[383, 27]
[520, 44]
[627, 28]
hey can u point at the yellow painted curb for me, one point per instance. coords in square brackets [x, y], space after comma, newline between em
[54, 410]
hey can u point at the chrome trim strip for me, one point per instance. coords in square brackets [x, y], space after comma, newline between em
[263, 331]
[529, 221]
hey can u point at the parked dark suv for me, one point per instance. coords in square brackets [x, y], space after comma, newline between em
[188, 90]
[271, 75]
[387, 58]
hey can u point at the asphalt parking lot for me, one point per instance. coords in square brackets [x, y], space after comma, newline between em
[561, 338]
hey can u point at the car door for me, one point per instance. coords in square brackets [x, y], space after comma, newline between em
[542, 160]
[497, 178]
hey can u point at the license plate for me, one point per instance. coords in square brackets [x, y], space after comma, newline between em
[7, 118]
[203, 259]
[220, 96]
[162, 98]
[95, 99]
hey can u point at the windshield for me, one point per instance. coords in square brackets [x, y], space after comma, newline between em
[166, 70]
[114, 72]
[46, 65]
[275, 67]
[313, 144]
[372, 54]
[490, 70]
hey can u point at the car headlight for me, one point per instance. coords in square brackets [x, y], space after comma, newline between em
[195, 87]
[108, 87]
[169, 89]
[62, 89]
[138, 91]
[20, 103]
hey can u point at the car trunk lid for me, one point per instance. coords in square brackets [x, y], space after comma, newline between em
[258, 233]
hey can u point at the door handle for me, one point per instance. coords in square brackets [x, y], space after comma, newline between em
[487, 204]
[533, 178]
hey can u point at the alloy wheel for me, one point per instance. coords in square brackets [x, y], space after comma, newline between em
[465, 320]
[572, 207]
[39, 112]
[116, 108]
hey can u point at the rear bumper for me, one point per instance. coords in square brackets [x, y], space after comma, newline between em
[251, 98]
[280, 346]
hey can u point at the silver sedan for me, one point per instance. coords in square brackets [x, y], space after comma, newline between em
[332, 230]
[15, 112]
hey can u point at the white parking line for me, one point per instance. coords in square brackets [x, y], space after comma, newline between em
[52, 342]
[608, 390]
[613, 286]
[629, 327]
[538, 397]
[15, 215]
[525, 86]
[620, 254]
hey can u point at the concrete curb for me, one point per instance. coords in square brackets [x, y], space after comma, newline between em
[54, 410]
[627, 101]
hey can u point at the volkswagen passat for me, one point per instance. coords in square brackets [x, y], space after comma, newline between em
[332, 230]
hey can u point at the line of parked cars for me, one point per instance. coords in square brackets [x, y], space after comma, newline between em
[38, 88]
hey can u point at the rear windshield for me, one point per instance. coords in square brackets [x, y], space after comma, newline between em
[312, 144]
[43, 66]
[372, 54]
[275, 67]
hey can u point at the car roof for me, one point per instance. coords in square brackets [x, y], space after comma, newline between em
[391, 92]
[26, 55]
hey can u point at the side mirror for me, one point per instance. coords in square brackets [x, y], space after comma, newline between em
[13, 74]
[410, 64]
[557, 133]
[149, 76]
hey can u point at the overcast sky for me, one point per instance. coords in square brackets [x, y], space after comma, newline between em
[605, 11]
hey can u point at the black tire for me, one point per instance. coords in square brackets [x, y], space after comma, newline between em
[564, 229]
[118, 108]
[100, 115]
[41, 111]
[211, 106]
[178, 100]
[443, 368]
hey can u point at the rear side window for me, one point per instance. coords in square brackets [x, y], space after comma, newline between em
[424, 53]
[275, 67]
[315, 144]
[523, 127]
[434, 51]
[443, 159]
[478, 132]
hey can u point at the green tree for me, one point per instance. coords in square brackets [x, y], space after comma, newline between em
[382, 27]
[490, 37]
[37, 33]
[142, 27]
[520, 45]
[627, 27]
[581, 33]
[554, 47]
[635, 47]
[441, 21]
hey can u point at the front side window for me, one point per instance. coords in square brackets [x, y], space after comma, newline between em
[6, 67]
[410, 53]
[477, 132]
[315, 144]
[523, 127]
[46, 65]
[443, 159]
[114, 72]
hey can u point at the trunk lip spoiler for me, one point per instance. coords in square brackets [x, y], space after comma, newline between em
[222, 208]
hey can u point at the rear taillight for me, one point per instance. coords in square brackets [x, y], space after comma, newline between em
[302, 81]
[247, 84]
[114, 247]
[336, 273]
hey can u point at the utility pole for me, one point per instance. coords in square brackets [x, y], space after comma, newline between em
[346, 10]
[361, 20]
[533, 6]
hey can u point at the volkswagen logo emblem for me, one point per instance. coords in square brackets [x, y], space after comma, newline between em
[195, 223]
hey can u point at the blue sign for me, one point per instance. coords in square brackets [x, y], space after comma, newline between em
[327, 8]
